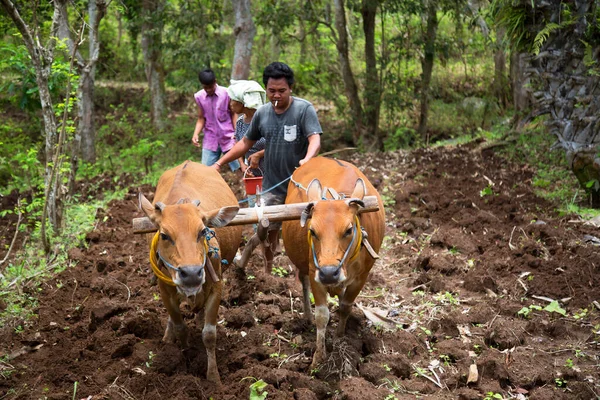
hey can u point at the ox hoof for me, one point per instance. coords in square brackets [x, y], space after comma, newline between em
[213, 377]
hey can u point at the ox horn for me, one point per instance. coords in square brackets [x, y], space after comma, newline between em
[306, 214]
[160, 206]
[355, 201]
[196, 202]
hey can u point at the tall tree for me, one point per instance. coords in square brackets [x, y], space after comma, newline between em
[350, 86]
[427, 64]
[244, 32]
[85, 139]
[152, 29]
[372, 82]
[42, 58]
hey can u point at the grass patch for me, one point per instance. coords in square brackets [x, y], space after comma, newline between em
[553, 180]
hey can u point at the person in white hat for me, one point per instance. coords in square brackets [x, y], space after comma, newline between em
[244, 98]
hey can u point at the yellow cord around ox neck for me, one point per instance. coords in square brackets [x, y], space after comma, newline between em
[359, 237]
[154, 262]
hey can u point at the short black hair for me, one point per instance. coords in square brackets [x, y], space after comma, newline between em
[207, 76]
[278, 70]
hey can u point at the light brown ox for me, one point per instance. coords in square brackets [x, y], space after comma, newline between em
[333, 232]
[188, 199]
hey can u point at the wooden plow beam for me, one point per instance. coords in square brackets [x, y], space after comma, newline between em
[246, 216]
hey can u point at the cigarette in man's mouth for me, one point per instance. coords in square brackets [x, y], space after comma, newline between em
[276, 103]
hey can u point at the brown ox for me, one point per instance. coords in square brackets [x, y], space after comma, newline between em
[328, 250]
[189, 199]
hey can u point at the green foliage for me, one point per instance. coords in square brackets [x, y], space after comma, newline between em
[553, 307]
[493, 396]
[18, 80]
[542, 36]
[526, 311]
[280, 272]
[257, 389]
[552, 180]
[556, 308]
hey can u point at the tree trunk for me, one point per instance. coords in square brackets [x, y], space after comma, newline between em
[500, 85]
[42, 58]
[427, 67]
[244, 32]
[356, 112]
[151, 48]
[372, 88]
[87, 77]
[85, 139]
[520, 85]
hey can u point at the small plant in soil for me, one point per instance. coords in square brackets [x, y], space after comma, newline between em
[492, 396]
[526, 311]
[486, 191]
[257, 389]
[386, 367]
[569, 363]
[560, 383]
[445, 359]
[150, 357]
[280, 272]
[581, 314]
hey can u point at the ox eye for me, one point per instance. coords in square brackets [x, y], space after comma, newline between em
[348, 232]
[313, 234]
[164, 236]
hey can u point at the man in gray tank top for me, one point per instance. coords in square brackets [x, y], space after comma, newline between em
[292, 132]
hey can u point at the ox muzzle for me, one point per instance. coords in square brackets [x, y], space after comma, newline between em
[330, 275]
[190, 276]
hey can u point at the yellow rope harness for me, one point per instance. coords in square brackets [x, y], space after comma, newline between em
[154, 261]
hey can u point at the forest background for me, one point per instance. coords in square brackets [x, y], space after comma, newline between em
[96, 90]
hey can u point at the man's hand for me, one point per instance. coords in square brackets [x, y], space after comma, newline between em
[216, 166]
[195, 140]
[254, 159]
[302, 162]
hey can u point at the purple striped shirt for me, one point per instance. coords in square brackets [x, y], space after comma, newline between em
[218, 127]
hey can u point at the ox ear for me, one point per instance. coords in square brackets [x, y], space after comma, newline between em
[306, 214]
[151, 211]
[360, 189]
[314, 191]
[220, 217]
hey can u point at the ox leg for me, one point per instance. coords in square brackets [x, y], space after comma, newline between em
[270, 250]
[321, 320]
[305, 280]
[346, 303]
[176, 328]
[209, 333]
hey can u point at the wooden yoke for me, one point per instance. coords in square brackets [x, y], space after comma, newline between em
[246, 216]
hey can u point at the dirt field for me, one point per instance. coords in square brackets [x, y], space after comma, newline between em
[468, 246]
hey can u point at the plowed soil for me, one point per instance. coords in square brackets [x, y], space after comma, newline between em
[468, 247]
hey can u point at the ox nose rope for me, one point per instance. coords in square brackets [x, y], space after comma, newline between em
[357, 237]
[155, 257]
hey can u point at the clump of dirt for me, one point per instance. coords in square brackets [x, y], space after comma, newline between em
[458, 267]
